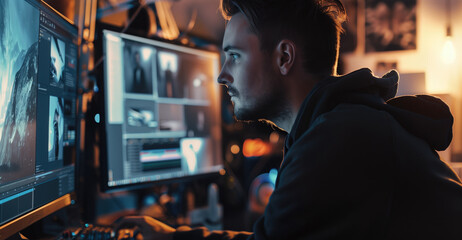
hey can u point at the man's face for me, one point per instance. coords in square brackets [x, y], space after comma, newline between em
[253, 83]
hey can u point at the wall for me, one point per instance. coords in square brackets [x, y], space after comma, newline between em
[441, 78]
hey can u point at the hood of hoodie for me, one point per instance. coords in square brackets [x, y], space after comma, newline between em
[424, 116]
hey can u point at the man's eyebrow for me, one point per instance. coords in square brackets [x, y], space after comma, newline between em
[227, 48]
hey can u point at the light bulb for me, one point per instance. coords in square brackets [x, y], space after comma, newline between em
[449, 52]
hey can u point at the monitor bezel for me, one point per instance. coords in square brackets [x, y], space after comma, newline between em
[14, 226]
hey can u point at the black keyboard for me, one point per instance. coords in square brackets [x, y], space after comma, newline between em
[93, 232]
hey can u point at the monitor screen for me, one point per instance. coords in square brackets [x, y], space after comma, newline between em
[38, 73]
[162, 113]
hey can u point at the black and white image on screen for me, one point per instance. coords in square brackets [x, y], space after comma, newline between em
[195, 75]
[18, 89]
[58, 61]
[197, 121]
[171, 117]
[167, 80]
[55, 129]
[141, 116]
[138, 69]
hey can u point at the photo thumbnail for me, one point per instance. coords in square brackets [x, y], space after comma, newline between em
[55, 129]
[171, 117]
[58, 62]
[138, 68]
[197, 121]
[167, 79]
[141, 116]
[197, 76]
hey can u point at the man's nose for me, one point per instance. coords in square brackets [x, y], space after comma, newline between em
[224, 77]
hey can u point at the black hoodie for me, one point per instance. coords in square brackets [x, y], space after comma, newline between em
[360, 164]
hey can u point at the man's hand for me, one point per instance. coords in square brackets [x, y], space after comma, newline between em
[149, 227]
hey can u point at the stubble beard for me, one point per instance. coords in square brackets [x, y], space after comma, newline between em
[272, 107]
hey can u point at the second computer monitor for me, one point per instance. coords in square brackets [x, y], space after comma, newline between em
[38, 95]
[162, 115]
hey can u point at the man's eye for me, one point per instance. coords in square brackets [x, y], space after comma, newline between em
[234, 57]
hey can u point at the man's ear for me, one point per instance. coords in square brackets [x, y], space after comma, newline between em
[285, 56]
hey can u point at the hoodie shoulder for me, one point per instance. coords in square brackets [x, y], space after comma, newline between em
[370, 98]
[351, 130]
[424, 116]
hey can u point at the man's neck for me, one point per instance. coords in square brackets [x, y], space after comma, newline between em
[298, 90]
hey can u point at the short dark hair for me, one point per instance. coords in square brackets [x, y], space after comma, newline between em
[314, 25]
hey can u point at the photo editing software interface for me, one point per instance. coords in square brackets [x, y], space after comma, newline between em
[162, 110]
[38, 71]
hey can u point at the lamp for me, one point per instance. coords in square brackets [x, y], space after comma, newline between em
[449, 52]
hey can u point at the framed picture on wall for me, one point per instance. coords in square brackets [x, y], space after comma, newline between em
[390, 25]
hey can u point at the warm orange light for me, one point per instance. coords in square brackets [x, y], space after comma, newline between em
[235, 149]
[255, 148]
[449, 52]
[274, 137]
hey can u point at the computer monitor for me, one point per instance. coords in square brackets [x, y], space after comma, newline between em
[38, 75]
[162, 117]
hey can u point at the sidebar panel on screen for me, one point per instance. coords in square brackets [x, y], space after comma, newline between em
[56, 95]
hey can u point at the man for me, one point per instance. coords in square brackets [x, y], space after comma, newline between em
[56, 145]
[358, 164]
[139, 81]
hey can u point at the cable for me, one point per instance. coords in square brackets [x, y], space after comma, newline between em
[191, 24]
